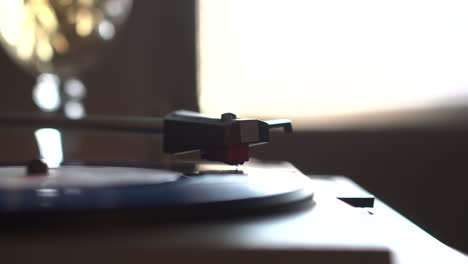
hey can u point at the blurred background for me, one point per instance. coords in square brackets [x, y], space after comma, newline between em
[377, 91]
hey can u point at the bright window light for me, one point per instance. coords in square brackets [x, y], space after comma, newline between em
[302, 59]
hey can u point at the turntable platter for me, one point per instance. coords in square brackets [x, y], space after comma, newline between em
[83, 176]
[72, 188]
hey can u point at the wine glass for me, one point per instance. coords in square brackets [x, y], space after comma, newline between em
[56, 40]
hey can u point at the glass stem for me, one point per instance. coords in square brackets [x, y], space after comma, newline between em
[52, 94]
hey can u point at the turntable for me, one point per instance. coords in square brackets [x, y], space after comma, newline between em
[167, 188]
[226, 209]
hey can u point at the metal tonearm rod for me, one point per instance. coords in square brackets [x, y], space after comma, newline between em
[226, 139]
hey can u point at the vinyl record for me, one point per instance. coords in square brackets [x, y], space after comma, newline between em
[175, 187]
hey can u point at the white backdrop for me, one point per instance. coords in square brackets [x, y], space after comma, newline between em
[308, 58]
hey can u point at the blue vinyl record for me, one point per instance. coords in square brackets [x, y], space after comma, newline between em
[134, 186]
